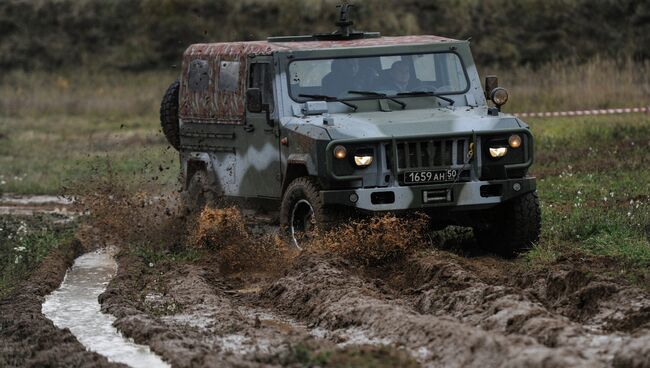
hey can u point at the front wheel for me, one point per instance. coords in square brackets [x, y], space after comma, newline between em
[516, 228]
[302, 213]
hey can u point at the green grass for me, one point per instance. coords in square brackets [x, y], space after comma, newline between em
[24, 242]
[594, 186]
[152, 255]
[57, 131]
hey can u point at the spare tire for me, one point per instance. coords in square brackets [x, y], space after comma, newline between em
[169, 115]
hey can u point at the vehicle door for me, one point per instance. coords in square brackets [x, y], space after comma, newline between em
[261, 150]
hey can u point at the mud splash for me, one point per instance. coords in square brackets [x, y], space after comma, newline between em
[74, 306]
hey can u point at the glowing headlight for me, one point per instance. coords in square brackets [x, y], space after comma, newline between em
[363, 161]
[340, 152]
[497, 152]
[514, 141]
[499, 96]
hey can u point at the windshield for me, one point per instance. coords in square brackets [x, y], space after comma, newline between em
[391, 75]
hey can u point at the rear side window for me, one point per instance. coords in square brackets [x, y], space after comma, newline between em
[261, 76]
[229, 76]
[199, 76]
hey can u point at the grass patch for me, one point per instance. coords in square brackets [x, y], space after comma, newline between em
[24, 243]
[594, 188]
[571, 85]
[56, 130]
[153, 256]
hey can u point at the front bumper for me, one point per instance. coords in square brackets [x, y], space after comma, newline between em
[462, 196]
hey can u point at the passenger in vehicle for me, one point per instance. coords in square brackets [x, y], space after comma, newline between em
[399, 78]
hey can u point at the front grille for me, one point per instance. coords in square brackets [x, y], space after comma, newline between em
[424, 154]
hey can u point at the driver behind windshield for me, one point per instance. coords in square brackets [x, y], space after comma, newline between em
[399, 78]
[341, 78]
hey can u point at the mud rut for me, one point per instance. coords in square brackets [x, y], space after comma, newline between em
[435, 307]
[441, 309]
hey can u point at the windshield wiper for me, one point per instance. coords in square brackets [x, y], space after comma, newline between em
[380, 95]
[427, 93]
[329, 99]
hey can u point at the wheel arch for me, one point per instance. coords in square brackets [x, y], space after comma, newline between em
[298, 165]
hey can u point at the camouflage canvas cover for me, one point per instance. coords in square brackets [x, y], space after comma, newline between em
[213, 76]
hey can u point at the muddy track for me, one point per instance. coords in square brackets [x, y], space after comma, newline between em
[193, 317]
[558, 308]
[29, 339]
[436, 308]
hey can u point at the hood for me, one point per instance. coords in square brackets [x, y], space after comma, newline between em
[417, 122]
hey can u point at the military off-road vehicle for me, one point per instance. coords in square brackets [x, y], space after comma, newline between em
[314, 129]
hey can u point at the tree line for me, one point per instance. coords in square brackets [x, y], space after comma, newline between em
[152, 34]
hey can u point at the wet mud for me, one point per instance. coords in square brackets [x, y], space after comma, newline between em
[435, 308]
[211, 293]
[27, 337]
[74, 306]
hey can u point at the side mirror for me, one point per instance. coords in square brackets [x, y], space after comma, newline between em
[491, 82]
[254, 100]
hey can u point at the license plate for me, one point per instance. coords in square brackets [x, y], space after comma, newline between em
[430, 176]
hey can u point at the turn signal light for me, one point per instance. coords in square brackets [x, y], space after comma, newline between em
[514, 141]
[340, 152]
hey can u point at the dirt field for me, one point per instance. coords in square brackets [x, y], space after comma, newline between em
[580, 297]
[432, 308]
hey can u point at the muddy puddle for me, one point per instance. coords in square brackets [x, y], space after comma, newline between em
[74, 306]
[16, 205]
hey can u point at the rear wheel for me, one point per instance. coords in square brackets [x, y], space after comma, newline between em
[516, 228]
[169, 115]
[302, 213]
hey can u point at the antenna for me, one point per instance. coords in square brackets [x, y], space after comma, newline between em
[344, 31]
[344, 23]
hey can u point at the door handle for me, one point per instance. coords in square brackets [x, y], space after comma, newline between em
[249, 128]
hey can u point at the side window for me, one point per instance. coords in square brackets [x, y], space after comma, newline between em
[199, 75]
[229, 76]
[261, 76]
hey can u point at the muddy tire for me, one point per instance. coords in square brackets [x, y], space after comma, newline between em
[302, 213]
[169, 115]
[197, 194]
[517, 228]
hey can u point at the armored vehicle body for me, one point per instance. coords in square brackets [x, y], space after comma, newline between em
[315, 129]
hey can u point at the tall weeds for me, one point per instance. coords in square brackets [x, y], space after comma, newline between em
[569, 85]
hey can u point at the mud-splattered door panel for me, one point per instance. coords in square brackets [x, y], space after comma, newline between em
[260, 165]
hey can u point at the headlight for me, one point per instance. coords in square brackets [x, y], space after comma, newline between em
[499, 96]
[514, 141]
[363, 161]
[497, 152]
[340, 152]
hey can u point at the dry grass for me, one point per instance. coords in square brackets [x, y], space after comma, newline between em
[562, 86]
[107, 94]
